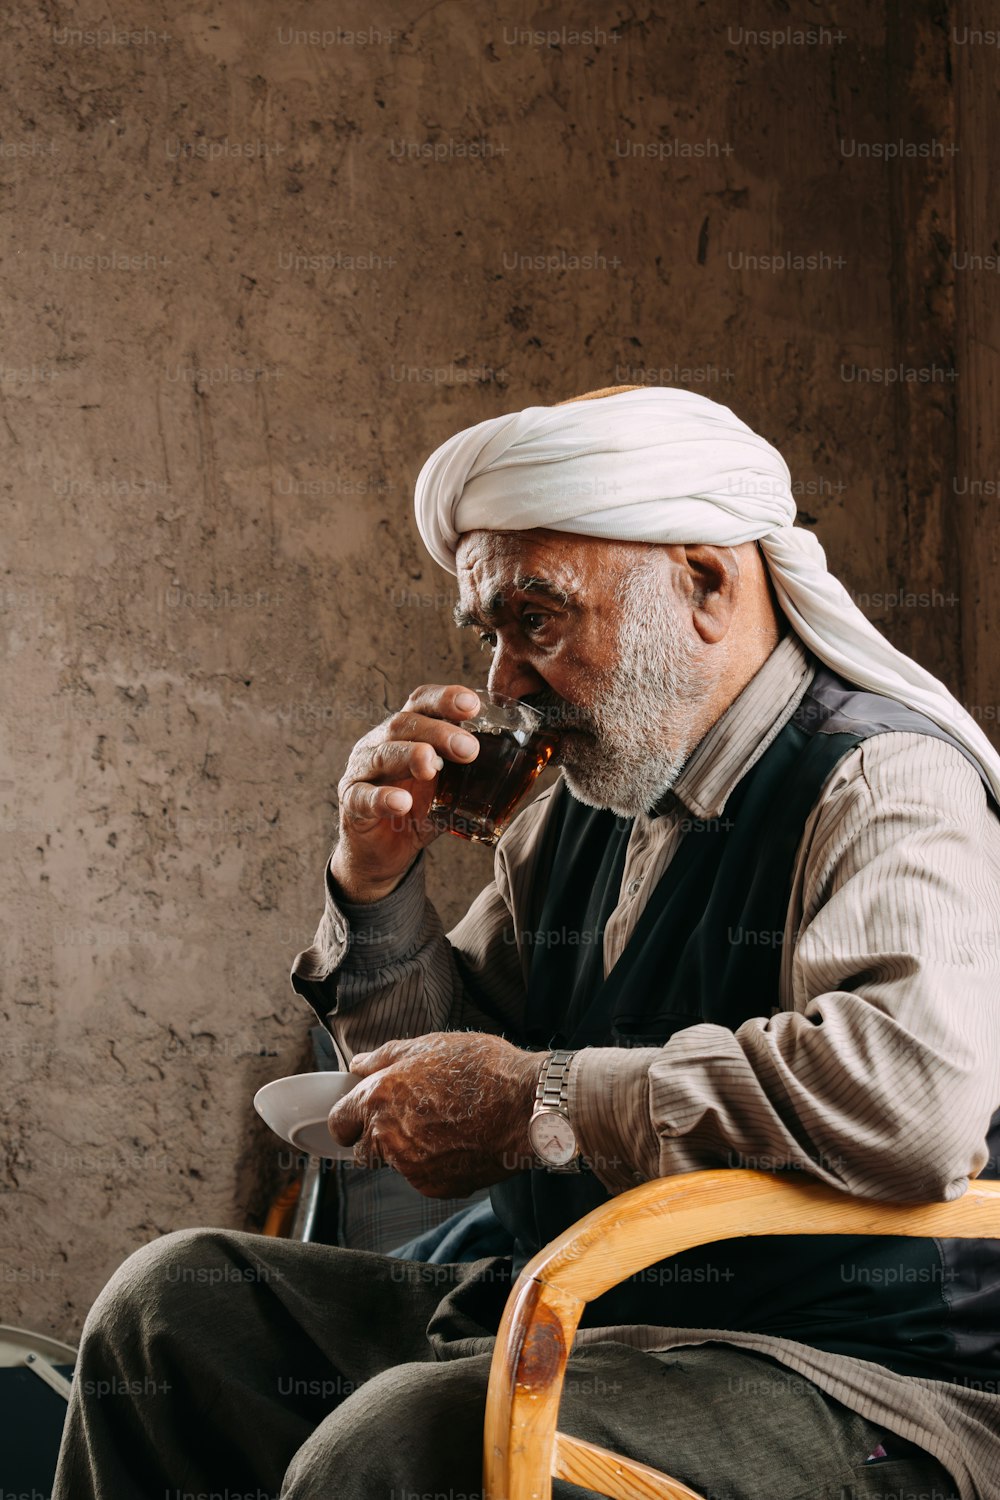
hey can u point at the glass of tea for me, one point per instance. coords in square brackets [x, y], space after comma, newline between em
[476, 799]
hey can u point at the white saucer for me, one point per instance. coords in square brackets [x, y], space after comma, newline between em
[296, 1109]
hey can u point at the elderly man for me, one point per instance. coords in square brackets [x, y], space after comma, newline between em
[752, 923]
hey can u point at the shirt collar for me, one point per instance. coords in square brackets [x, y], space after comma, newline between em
[738, 739]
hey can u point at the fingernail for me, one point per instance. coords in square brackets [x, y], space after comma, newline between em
[399, 801]
[438, 763]
[467, 702]
[464, 745]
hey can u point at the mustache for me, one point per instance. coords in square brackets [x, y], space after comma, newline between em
[558, 714]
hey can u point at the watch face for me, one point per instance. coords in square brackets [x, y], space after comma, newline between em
[553, 1138]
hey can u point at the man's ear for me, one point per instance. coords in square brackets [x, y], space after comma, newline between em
[714, 574]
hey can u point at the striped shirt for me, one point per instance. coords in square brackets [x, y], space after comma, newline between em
[891, 1083]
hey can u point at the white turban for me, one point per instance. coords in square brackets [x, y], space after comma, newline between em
[665, 465]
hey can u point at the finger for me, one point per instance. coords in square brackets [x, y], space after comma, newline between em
[356, 1112]
[399, 759]
[396, 748]
[347, 1119]
[453, 701]
[366, 1063]
[361, 802]
[369, 1151]
[363, 798]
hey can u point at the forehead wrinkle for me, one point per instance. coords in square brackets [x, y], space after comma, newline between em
[522, 583]
[498, 558]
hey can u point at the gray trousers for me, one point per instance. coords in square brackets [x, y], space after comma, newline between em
[222, 1365]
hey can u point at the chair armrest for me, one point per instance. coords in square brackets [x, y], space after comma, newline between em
[671, 1214]
[631, 1232]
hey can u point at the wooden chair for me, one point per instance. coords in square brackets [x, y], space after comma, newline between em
[522, 1450]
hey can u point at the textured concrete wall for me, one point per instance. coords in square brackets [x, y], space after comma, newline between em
[255, 275]
[975, 499]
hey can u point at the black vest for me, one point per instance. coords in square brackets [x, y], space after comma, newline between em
[707, 948]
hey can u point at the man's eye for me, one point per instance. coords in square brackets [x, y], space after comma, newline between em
[487, 639]
[528, 617]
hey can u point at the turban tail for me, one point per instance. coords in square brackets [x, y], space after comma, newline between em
[663, 465]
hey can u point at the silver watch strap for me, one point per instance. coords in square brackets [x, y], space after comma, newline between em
[553, 1082]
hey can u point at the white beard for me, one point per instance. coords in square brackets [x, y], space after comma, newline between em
[639, 721]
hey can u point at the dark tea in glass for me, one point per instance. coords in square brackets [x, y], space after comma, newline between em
[476, 800]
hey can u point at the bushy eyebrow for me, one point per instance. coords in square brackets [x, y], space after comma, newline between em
[524, 583]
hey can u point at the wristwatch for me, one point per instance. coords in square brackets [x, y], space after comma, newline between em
[550, 1130]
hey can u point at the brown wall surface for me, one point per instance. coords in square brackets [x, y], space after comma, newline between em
[260, 261]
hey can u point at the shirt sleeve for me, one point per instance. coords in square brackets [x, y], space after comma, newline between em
[880, 1072]
[387, 968]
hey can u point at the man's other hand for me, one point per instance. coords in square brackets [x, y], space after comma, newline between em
[449, 1110]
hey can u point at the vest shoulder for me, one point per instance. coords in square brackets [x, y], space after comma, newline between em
[831, 705]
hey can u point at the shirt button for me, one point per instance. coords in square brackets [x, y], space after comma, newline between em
[633, 886]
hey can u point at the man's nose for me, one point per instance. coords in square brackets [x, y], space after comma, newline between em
[511, 675]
